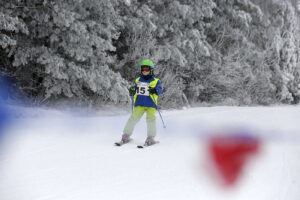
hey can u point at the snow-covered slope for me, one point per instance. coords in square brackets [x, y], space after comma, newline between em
[52, 155]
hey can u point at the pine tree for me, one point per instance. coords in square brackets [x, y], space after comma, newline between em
[67, 52]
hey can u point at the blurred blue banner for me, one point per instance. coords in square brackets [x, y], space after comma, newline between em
[4, 113]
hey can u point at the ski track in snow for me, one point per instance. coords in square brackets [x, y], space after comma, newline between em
[53, 156]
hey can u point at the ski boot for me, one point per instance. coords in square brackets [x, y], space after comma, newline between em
[150, 141]
[125, 139]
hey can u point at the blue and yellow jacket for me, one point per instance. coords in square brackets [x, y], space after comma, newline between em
[142, 96]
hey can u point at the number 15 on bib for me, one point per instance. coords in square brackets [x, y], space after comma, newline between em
[143, 89]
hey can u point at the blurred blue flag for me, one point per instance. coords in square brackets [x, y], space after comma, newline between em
[4, 93]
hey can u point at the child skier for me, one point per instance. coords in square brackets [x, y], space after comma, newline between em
[145, 97]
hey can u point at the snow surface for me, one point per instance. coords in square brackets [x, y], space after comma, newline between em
[56, 155]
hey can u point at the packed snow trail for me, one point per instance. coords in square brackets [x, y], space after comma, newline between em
[51, 155]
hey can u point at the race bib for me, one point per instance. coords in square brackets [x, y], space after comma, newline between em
[143, 89]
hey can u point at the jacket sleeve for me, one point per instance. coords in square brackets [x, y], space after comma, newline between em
[135, 85]
[159, 89]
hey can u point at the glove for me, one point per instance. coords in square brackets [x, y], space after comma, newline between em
[131, 91]
[152, 90]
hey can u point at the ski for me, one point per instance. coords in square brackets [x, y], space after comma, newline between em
[138, 146]
[119, 144]
[122, 143]
[145, 145]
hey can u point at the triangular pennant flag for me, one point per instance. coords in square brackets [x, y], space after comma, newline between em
[230, 153]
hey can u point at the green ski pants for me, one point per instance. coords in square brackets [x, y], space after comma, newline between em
[136, 116]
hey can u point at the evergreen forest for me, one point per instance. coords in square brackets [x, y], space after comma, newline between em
[217, 52]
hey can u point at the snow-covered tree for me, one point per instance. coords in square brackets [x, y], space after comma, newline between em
[172, 34]
[67, 52]
[216, 51]
[282, 49]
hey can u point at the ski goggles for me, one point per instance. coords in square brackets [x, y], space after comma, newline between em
[145, 69]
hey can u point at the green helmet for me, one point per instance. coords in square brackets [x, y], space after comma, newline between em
[147, 62]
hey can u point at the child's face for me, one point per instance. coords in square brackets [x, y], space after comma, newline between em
[145, 70]
[146, 73]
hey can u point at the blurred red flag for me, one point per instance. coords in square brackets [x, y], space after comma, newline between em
[230, 154]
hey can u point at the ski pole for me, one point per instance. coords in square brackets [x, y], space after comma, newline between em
[161, 117]
[158, 110]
